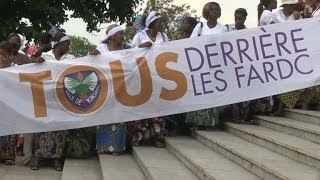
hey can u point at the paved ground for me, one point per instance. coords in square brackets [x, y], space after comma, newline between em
[20, 172]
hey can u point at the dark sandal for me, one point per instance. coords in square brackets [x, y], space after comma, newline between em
[115, 154]
[34, 164]
[159, 144]
[57, 165]
[9, 162]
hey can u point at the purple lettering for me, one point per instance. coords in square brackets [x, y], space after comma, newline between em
[242, 51]
[210, 55]
[280, 45]
[226, 54]
[296, 64]
[205, 82]
[255, 48]
[268, 71]
[295, 40]
[192, 69]
[194, 87]
[221, 80]
[239, 75]
[264, 45]
[281, 66]
[253, 74]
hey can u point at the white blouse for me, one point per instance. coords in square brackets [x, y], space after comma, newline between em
[205, 30]
[102, 48]
[142, 37]
[49, 56]
[232, 27]
[279, 17]
[266, 18]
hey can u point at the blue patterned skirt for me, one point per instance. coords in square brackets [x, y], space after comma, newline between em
[111, 138]
[205, 117]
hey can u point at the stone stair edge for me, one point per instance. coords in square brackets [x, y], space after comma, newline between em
[244, 157]
[314, 113]
[141, 165]
[275, 141]
[168, 145]
[271, 119]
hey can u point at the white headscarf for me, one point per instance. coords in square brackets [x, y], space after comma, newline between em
[152, 16]
[64, 38]
[113, 31]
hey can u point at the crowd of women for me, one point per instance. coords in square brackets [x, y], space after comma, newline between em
[53, 147]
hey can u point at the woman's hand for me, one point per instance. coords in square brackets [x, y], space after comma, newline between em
[296, 15]
[38, 60]
[145, 45]
[95, 52]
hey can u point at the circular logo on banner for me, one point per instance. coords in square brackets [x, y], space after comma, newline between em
[82, 90]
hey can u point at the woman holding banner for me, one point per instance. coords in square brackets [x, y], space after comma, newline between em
[211, 12]
[265, 8]
[301, 98]
[175, 124]
[208, 118]
[111, 138]
[241, 112]
[240, 17]
[150, 131]
[51, 145]
[7, 143]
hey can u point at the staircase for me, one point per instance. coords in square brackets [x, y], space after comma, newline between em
[277, 148]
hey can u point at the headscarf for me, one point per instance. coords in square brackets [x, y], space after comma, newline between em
[152, 16]
[137, 24]
[64, 38]
[112, 32]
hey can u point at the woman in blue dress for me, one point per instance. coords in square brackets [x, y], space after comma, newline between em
[111, 138]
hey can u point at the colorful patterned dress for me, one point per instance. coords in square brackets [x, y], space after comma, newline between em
[8, 146]
[146, 132]
[111, 138]
[205, 118]
[80, 143]
[49, 144]
[263, 106]
[290, 99]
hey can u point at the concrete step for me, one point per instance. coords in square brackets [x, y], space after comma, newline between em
[81, 169]
[121, 167]
[300, 129]
[263, 162]
[296, 148]
[160, 164]
[20, 172]
[303, 115]
[204, 162]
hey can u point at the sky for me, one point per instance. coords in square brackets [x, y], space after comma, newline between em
[78, 26]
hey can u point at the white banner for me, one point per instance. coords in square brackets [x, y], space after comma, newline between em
[179, 76]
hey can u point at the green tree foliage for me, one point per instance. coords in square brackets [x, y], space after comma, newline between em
[31, 17]
[80, 46]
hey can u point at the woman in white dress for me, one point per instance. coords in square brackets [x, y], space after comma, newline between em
[240, 17]
[287, 12]
[265, 8]
[207, 119]
[150, 131]
[211, 12]
[152, 34]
